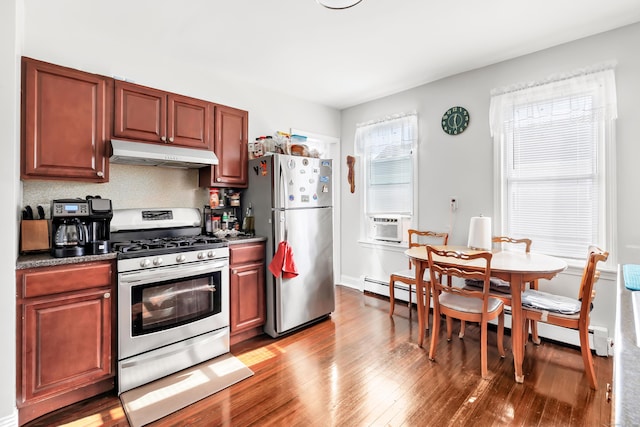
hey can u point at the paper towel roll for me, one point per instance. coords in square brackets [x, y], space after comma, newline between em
[480, 233]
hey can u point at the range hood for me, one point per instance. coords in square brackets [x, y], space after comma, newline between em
[137, 153]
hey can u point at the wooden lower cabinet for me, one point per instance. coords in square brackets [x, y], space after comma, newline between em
[65, 347]
[247, 290]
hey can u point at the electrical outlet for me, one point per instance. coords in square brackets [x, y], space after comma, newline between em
[453, 203]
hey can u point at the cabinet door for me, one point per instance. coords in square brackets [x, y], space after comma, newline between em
[65, 123]
[247, 296]
[230, 145]
[190, 122]
[140, 113]
[66, 343]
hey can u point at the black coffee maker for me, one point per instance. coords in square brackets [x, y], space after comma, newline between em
[98, 224]
[69, 227]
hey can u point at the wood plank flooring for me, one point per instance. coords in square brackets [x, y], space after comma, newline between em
[362, 368]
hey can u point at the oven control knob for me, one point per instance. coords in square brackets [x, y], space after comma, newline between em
[211, 254]
[181, 258]
[145, 263]
[200, 255]
[157, 261]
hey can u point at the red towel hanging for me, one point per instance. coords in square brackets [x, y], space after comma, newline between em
[282, 262]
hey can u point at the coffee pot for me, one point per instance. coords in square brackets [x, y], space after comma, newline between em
[70, 232]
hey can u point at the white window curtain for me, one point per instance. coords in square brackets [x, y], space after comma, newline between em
[388, 147]
[552, 139]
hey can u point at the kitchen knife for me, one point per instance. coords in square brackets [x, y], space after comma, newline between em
[29, 212]
[40, 212]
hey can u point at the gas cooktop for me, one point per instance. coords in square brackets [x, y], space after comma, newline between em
[164, 245]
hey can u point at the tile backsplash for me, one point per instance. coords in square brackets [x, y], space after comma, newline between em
[129, 186]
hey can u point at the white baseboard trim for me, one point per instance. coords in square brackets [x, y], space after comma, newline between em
[10, 420]
[351, 282]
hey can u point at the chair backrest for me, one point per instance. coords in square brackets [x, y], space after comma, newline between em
[590, 276]
[425, 237]
[506, 239]
[474, 266]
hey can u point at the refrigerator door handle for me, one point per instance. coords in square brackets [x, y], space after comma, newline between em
[284, 234]
[282, 187]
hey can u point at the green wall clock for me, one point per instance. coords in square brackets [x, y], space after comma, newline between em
[455, 120]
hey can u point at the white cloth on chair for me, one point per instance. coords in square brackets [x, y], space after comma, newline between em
[550, 302]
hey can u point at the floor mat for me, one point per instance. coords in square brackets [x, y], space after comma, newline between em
[160, 398]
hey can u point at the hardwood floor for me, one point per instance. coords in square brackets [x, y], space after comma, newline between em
[362, 368]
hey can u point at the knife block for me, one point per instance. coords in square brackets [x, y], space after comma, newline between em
[35, 235]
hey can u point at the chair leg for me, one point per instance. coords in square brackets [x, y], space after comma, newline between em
[435, 332]
[534, 325]
[392, 299]
[534, 332]
[427, 303]
[501, 335]
[449, 327]
[426, 308]
[409, 305]
[462, 325]
[586, 357]
[483, 348]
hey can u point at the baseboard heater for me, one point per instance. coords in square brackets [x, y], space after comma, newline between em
[379, 287]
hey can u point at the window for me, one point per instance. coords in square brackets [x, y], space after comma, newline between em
[554, 147]
[388, 152]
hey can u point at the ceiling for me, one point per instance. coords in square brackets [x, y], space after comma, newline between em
[337, 58]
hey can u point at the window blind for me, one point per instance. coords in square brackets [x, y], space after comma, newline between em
[553, 177]
[388, 148]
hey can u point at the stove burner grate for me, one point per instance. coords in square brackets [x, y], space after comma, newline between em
[165, 243]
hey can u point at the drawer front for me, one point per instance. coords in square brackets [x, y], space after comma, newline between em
[46, 281]
[239, 254]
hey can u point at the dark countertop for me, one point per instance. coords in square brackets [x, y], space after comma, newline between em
[245, 239]
[626, 371]
[46, 260]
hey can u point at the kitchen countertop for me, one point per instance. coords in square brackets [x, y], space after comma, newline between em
[245, 239]
[46, 260]
[626, 373]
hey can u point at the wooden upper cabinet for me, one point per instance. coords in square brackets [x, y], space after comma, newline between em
[66, 122]
[151, 115]
[230, 146]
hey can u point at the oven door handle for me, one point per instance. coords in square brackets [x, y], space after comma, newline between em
[168, 273]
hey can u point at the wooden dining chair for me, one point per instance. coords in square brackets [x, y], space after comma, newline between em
[557, 310]
[408, 277]
[461, 302]
[502, 290]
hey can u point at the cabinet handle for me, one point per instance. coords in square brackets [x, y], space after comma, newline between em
[100, 174]
[234, 271]
[219, 179]
[170, 139]
[608, 394]
[107, 295]
[163, 138]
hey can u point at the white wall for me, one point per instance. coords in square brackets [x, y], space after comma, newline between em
[462, 165]
[10, 30]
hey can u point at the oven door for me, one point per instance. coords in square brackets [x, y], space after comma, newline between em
[166, 305]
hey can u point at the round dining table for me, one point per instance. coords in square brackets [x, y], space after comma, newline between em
[514, 267]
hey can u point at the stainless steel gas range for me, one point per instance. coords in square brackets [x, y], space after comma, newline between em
[173, 293]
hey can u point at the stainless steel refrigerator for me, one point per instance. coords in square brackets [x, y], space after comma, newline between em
[292, 202]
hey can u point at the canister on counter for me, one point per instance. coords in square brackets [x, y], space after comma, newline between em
[214, 198]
